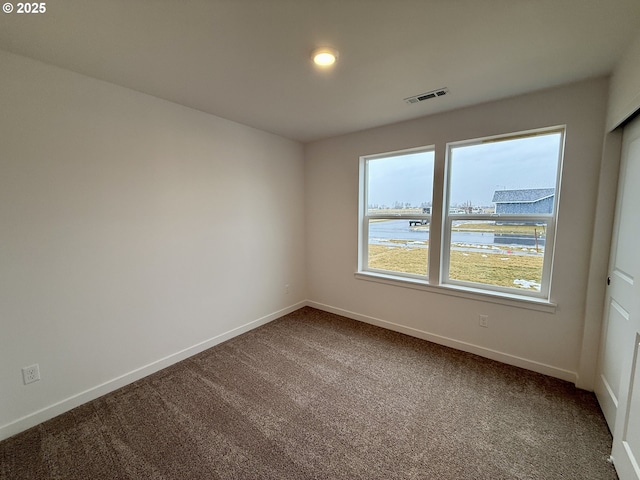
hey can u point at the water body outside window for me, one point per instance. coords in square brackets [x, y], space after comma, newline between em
[516, 174]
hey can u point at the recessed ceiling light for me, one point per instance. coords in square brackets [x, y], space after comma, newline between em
[324, 57]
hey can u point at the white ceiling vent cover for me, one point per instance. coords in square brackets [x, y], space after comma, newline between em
[427, 96]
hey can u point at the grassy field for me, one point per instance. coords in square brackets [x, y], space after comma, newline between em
[500, 269]
[399, 259]
[490, 227]
[495, 269]
[491, 265]
[538, 231]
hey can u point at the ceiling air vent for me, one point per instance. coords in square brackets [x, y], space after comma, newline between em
[426, 96]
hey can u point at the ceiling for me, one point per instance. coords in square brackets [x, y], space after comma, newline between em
[249, 60]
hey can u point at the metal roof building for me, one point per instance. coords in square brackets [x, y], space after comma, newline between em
[524, 201]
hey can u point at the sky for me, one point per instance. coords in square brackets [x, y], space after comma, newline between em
[477, 171]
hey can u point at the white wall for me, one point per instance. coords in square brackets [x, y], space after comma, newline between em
[133, 232]
[546, 342]
[624, 94]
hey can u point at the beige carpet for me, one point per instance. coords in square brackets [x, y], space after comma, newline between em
[318, 396]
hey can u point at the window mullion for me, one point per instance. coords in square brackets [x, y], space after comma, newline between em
[469, 180]
[436, 229]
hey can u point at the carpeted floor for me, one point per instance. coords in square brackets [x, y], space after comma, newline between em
[317, 396]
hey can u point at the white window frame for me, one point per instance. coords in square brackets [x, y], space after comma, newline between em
[548, 219]
[365, 217]
[546, 264]
[437, 278]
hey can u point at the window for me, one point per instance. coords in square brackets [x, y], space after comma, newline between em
[498, 215]
[398, 191]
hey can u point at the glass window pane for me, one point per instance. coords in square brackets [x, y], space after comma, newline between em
[512, 176]
[499, 254]
[397, 246]
[400, 184]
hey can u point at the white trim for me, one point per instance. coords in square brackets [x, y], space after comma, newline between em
[81, 398]
[513, 291]
[502, 357]
[363, 199]
[399, 153]
[93, 393]
[482, 295]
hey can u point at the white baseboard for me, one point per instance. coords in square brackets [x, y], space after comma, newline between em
[457, 344]
[69, 403]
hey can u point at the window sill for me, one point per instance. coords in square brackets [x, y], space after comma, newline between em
[511, 300]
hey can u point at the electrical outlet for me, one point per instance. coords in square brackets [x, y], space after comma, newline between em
[31, 374]
[286, 288]
[483, 320]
